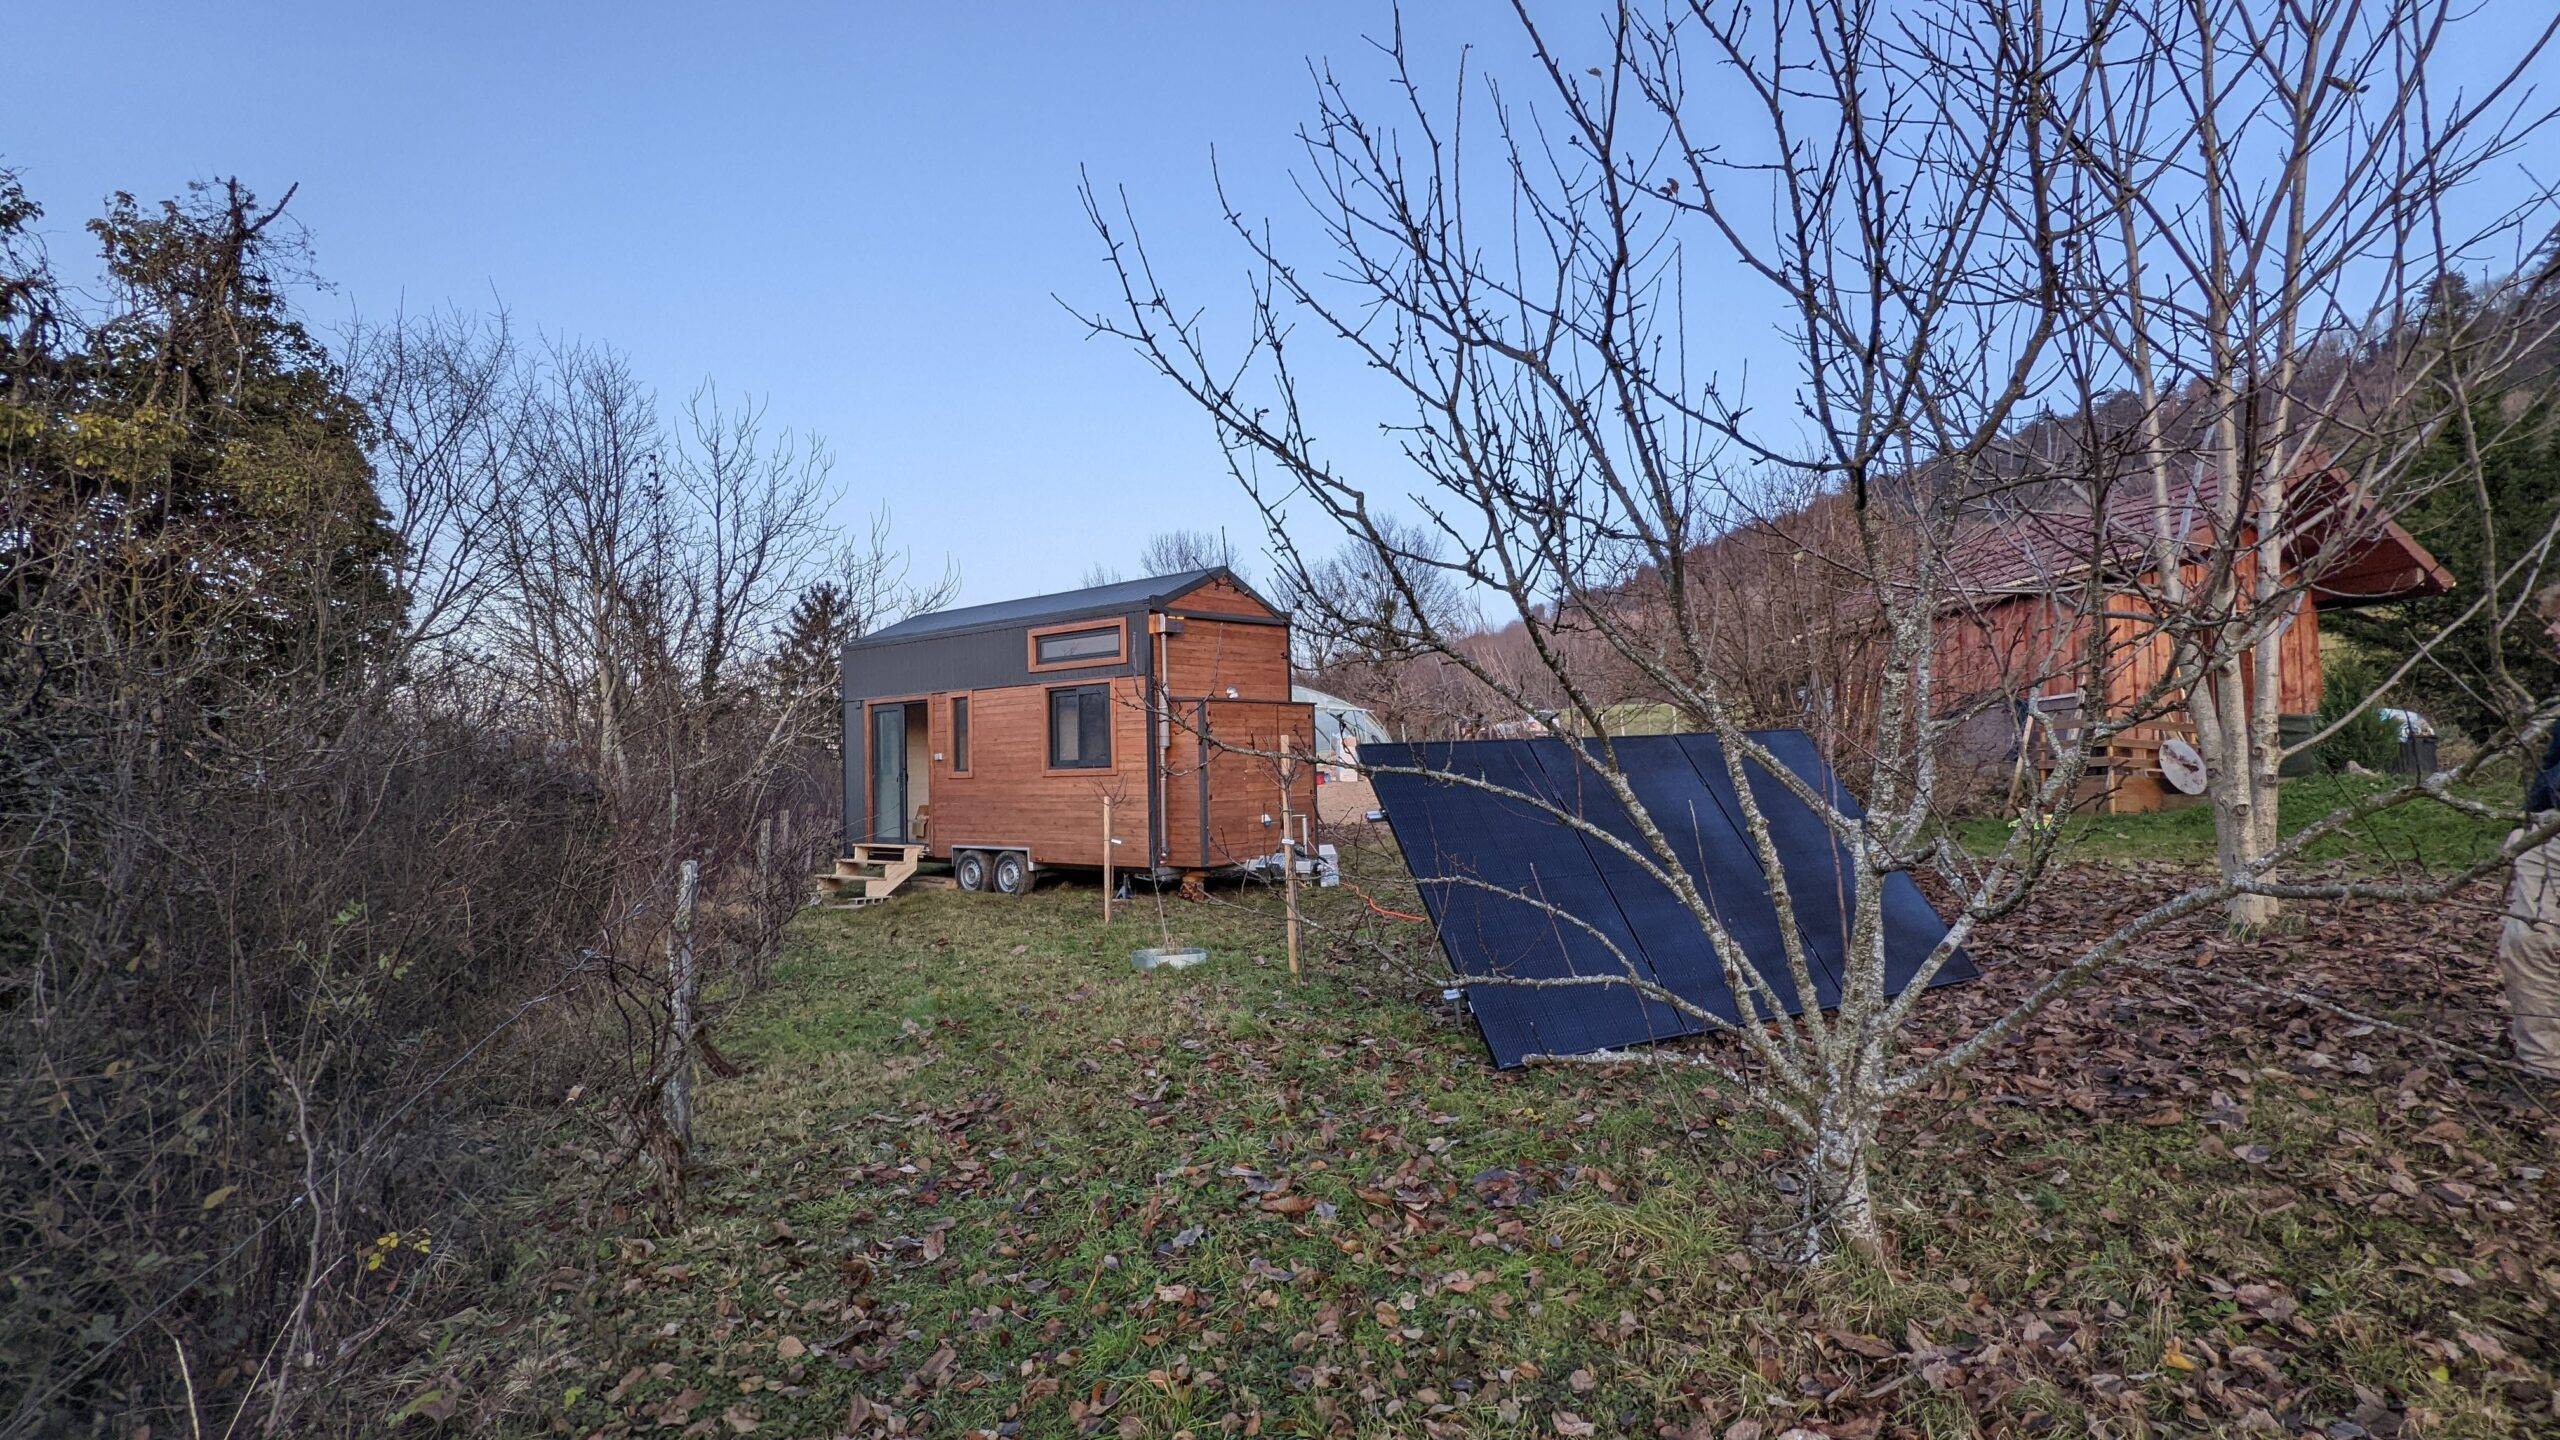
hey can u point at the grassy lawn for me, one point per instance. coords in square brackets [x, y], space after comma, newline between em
[2425, 834]
[983, 1178]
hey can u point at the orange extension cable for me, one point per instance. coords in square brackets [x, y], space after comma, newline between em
[1371, 901]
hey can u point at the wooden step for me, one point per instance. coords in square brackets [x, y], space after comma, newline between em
[849, 902]
[872, 872]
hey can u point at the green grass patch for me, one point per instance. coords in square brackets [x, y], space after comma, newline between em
[983, 1176]
[2422, 833]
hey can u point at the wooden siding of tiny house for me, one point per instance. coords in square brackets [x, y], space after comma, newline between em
[1010, 796]
[1223, 597]
[1239, 757]
[1239, 754]
[1210, 657]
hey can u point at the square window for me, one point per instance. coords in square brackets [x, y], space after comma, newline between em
[1080, 728]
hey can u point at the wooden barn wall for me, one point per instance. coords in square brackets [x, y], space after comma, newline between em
[2298, 664]
[2147, 649]
[2011, 648]
[2016, 648]
[2304, 678]
[2140, 651]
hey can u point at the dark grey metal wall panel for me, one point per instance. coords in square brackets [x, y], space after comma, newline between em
[857, 772]
[971, 660]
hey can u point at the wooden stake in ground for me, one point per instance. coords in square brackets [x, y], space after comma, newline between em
[1106, 859]
[768, 892]
[675, 1092]
[1289, 845]
[682, 984]
[2018, 771]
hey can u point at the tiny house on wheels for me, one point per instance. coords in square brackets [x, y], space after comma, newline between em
[993, 735]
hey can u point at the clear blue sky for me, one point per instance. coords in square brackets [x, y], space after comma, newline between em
[859, 211]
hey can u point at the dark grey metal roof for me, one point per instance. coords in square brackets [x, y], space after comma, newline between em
[1112, 599]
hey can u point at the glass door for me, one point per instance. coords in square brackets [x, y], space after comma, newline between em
[889, 773]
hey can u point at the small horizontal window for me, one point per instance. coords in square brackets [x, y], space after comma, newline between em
[1061, 647]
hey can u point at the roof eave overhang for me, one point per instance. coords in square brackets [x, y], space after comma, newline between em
[1062, 617]
[2408, 571]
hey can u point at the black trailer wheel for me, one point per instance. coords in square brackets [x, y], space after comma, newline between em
[969, 867]
[1013, 873]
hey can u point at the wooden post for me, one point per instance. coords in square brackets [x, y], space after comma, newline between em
[767, 882]
[2026, 742]
[769, 890]
[1106, 859]
[677, 1098]
[1289, 844]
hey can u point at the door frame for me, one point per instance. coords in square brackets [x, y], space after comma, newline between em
[871, 709]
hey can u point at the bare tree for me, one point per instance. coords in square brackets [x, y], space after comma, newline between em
[1349, 608]
[380, 695]
[879, 581]
[2275, 202]
[1926, 202]
[865, 586]
[441, 389]
[1172, 552]
[227, 749]
[754, 509]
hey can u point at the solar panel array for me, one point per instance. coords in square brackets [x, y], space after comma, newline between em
[1515, 893]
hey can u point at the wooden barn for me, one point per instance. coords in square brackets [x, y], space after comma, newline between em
[993, 735]
[2021, 630]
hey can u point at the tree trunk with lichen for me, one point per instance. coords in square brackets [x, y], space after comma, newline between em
[1839, 1194]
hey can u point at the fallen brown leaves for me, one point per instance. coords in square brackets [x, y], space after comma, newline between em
[2393, 1144]
[2181, 1201]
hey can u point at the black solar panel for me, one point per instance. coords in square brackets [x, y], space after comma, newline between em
[1488, 843]
[1911, 927]
[1698, 814]
[1464, 843]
